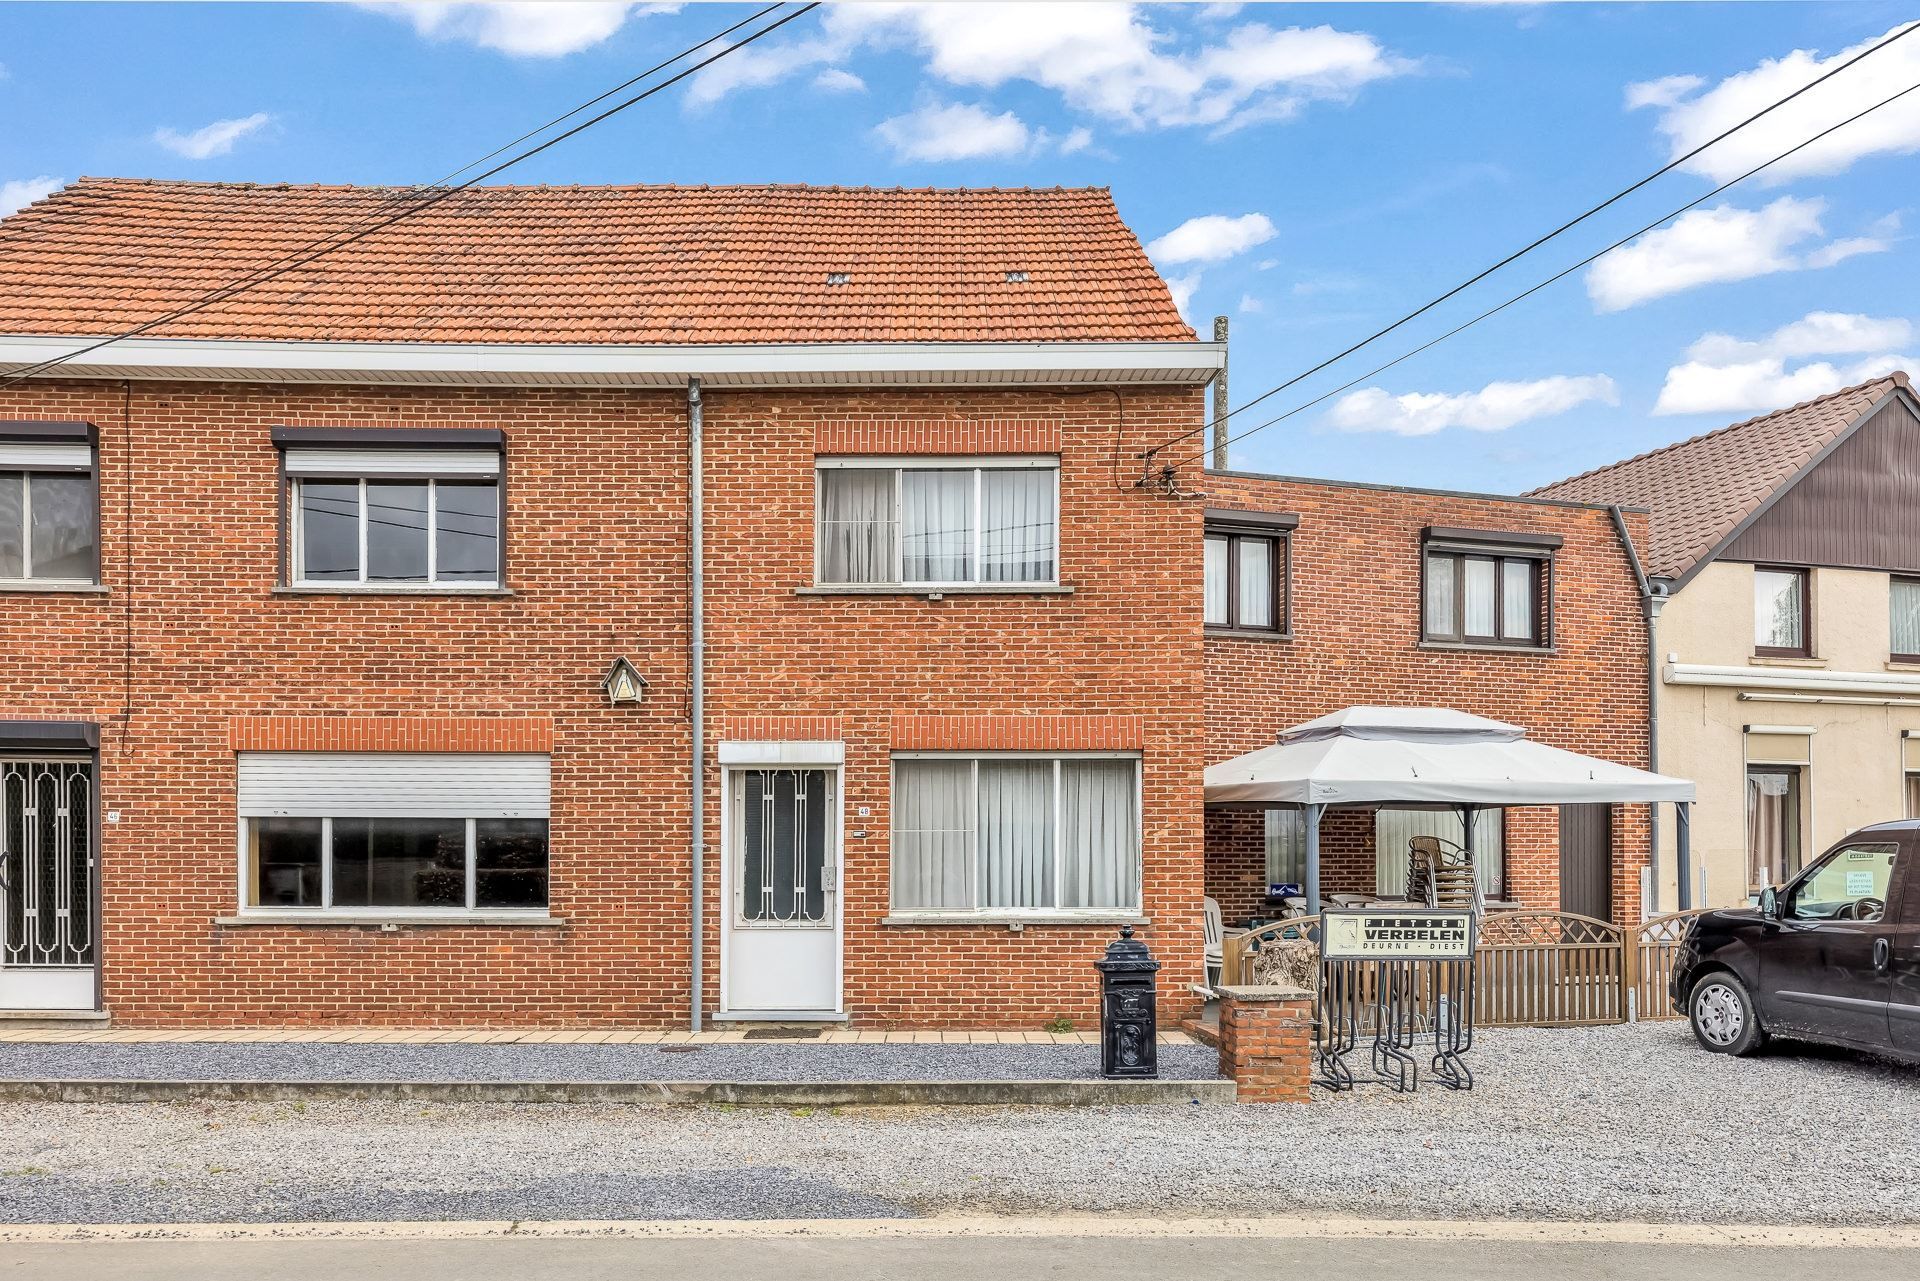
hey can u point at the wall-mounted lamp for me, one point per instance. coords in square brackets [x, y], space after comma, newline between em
[623, 683]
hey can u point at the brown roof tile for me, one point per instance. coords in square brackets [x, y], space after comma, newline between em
[633, 264]
[1696, 491]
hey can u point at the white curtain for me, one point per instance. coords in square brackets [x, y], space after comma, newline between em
[1905, 597]
[1392, 828]
[1256, 582]
[933, 835]
[1016, 833]
[1216, 587]
[856, 526]
[1017, 526]
[1516, 600]
[936, 511]
[1479, 610]
[1440, 595]
[1099, 838]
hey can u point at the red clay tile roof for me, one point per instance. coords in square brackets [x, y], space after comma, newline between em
[1698, 490]
[634, 264]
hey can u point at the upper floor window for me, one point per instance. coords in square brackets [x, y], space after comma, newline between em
[409, 511]
[938, 522]
[1488, 588]
[1247, 570]
[1780, 613]
[1903, 607]
[49, 505]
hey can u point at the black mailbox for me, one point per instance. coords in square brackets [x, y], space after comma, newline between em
[1129, 1014]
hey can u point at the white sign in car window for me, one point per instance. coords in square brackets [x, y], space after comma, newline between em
[1860, 885]
[1396, 936]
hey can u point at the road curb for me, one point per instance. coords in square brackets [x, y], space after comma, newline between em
[741, 1093]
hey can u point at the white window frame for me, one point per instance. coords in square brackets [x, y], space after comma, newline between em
[899, 464]
[1130, 911]
[469, 910]
[55, 460]
[296, 535]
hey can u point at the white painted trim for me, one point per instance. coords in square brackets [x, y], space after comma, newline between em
[950, 462]
[1802, 731]
[554, 364]
[752, 754]
[1790, 678]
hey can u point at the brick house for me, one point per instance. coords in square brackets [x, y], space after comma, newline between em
[320, 606]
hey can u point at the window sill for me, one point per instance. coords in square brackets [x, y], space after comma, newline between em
[1245, 633]
[1455, 647]
[27, 588]
[934, 593]
[1903, 664]
[1015, 918]
[1786, 660]
[350, 590]
[317, 916]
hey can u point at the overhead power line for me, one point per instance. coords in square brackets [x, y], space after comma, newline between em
[418, 200]
[1556, 277]
[1464, 285]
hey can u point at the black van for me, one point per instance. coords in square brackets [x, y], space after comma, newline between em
[1833, 955]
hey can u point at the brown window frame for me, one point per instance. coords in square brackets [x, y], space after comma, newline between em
[1805, 648]
[1281, 561]
[1894, 655]
[1539, 578]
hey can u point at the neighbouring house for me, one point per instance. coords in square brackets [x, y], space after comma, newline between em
[1785, 556]
[615, 606]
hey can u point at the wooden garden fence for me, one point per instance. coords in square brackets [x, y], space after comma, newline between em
[1531, 968]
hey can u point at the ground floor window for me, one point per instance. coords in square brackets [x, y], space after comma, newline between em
[1773, 824]
[992, 834]
[1913, 794]
[412, 832]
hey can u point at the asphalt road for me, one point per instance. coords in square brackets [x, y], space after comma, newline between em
[939, 1258]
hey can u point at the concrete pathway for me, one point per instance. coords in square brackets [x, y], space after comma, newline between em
[526, 1036]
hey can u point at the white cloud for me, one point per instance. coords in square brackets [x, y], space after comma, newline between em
[1250, 306]
[18, 193]
[1103, 59]
[1076, 140]
[1495, 407]
[1724, 243]
[958, 131]
[1211, 238]
[523, 28]
[212, 140]
[1727, 375]
[1689, 119]
[838, 80]
[1182, 288]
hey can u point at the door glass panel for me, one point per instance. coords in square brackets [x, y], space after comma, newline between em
[1773, 826]
[46, 864]
[783, 845]
[1851, 885]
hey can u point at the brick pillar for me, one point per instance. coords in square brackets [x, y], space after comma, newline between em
[1266, 1042]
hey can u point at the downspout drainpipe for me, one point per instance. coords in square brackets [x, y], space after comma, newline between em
[1650, 608]
[697, 683]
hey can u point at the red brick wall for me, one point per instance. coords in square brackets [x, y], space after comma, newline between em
[1356, 640]
[191, 643]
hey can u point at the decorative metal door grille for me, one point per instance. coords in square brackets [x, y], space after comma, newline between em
[784, 863]
[46, 863]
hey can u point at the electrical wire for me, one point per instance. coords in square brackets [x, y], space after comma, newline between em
[1618, 196]
[260, 277]
[1556, 277]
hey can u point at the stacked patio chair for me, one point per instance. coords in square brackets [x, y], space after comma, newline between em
[1441, 874]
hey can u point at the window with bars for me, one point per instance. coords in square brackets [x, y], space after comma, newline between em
[990, 835]
[1488, 589]
[937, 522]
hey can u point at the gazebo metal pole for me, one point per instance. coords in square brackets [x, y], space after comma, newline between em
[1313, 857]
[1683, 850]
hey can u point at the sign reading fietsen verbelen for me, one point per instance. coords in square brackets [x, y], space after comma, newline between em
[1396, 936]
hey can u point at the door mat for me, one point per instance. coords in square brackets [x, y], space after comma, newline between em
[783, 1034]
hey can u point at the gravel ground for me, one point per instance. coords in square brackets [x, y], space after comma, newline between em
[1628, 1122]
[757, 1061]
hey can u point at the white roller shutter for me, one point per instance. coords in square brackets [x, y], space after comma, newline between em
[394, 784]
[393, 462]
[27, 455]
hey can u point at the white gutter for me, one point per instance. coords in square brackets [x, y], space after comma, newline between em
[1788, 678]
[550, 364]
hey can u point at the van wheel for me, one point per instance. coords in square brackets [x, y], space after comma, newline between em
[1723, 1017]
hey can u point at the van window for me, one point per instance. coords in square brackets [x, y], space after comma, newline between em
[1850, 884]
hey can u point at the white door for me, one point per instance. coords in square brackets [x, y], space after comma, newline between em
[782, 947]
[46, 884]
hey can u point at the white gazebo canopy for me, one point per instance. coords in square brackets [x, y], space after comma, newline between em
[1427, 757]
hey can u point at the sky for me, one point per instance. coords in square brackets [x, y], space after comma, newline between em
[1311, 171]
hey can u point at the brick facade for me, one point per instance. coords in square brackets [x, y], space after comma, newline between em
[1355, 640]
